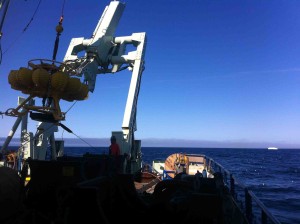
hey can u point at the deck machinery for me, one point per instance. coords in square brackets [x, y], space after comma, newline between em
[103, 53]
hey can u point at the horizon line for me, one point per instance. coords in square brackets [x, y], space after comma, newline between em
[172, 142]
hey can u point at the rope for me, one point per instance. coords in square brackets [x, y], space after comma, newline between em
[71, 107]
[1, 54]
[59, 30]
[6, 2]
[2, 21]
[32, 17]
[55, 46]
[26, 27]
[36, 136]
[63, 7]
[70, 131]
[64, 127]
[84, 141]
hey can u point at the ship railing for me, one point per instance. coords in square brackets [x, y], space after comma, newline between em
[249, 203]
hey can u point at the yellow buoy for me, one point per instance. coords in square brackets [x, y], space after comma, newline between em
[13, 80]
[72, 89]
[40, 78]
[73, 86]
[83, 94]
[24, 76]
[59, 28]
[59, 81]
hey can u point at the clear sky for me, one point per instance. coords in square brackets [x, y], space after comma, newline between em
[218, 73]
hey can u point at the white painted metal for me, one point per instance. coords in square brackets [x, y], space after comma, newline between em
[129, 120]
[42, 139]
[20, 120]
[97, 49]
[105, 53]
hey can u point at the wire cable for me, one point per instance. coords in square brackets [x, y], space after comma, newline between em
[59, 30]
[25, 28]
[6, 4]
[71, 107]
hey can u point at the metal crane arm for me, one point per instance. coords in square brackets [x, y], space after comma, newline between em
[104, 53]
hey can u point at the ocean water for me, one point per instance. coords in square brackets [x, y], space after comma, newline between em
[274, 176]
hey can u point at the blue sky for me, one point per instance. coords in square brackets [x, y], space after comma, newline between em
[218, 73]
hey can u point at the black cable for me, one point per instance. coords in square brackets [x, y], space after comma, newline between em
[70, 131]
[0, 52]
[71, 107]
[63, 8]
[59, 30]
[55, 46]
[26, 27]
[83, 140]
[2, 21]
[3, 18]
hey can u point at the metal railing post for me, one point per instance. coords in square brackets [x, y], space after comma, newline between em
[232, 190]
[264, 219]
[248, 202]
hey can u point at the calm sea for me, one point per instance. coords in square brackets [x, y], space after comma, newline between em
[274, 176]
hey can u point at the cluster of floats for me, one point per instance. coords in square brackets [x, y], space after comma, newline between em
[49, 81]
